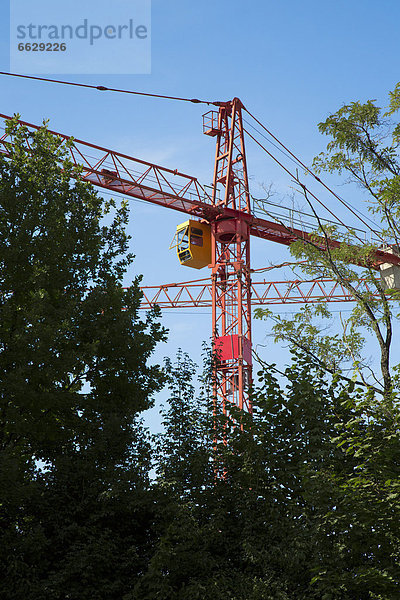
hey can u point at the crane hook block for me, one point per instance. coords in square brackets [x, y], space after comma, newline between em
[193, 244]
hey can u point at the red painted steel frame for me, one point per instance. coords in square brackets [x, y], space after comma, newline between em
[230, 243]
[130, 176]
[198, 294]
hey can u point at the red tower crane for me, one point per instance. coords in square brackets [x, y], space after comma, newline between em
[227, 212]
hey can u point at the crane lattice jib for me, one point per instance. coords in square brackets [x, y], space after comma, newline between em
[198, 294]
[169, 188]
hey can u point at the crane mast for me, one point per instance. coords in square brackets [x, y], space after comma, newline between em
[230, 260]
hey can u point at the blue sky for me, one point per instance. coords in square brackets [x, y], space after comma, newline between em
[291, 63]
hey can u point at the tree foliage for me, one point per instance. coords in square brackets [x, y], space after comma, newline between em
[363, 147]
[74, 376]
[307, 507]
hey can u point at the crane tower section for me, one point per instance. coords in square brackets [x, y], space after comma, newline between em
[230, 259]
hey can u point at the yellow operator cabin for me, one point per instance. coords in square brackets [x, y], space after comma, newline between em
[193, 244]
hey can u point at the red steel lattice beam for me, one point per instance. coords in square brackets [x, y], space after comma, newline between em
[198, 294]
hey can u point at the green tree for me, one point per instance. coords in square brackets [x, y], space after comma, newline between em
[334, 455]
[187, 436]
[363, 148]
[181, 564]
[246, 534]
[357, 497]
[307, 507]
[75, 512]
[355, 492]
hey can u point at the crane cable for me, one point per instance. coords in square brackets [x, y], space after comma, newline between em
[285, 154]
[298, 161]
[103, 88]
[301, 184]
